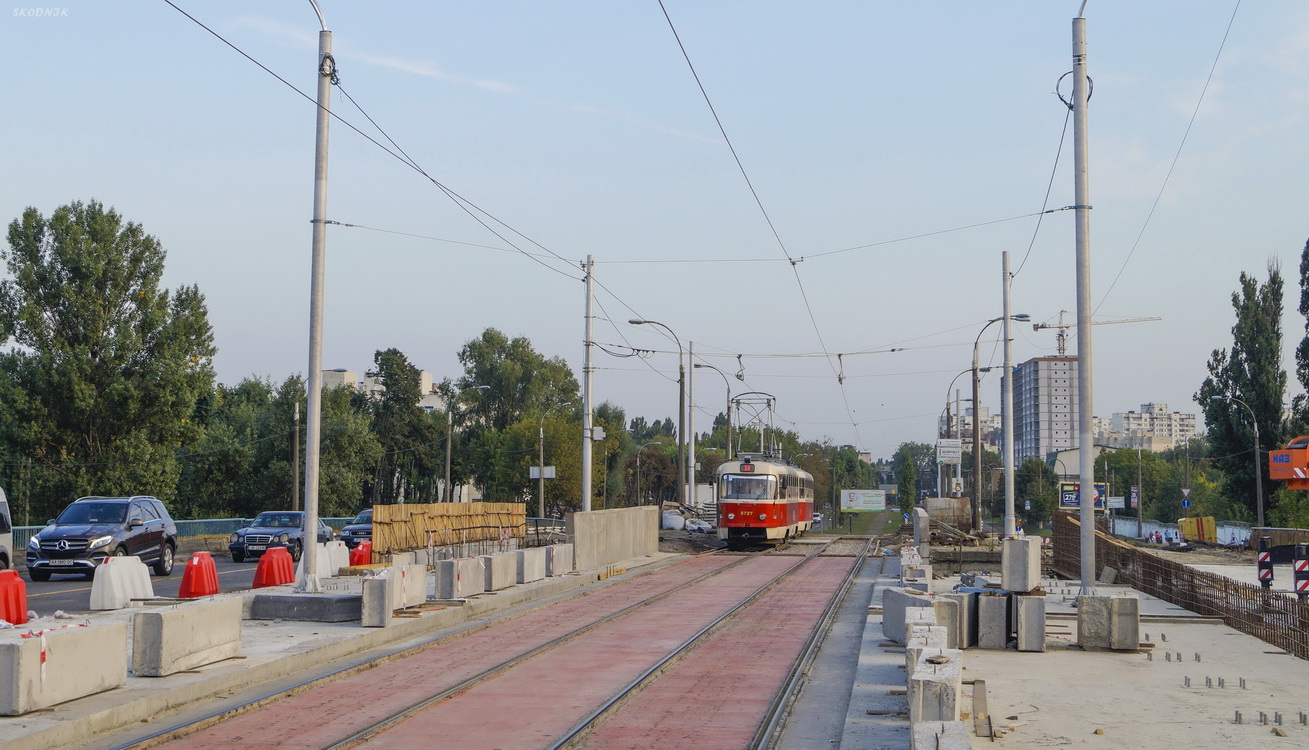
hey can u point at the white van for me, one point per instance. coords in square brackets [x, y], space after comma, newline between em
[6, 534]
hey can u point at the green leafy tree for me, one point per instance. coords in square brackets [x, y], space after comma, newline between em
[520, 381]
[1037, 484]
[108, 365]
[1251, 371]
[413, 446]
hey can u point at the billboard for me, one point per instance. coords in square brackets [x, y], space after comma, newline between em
[949, 451]
[1068, 499]
[863, 500]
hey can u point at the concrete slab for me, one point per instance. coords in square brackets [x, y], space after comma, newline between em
[1093, 622]
[936, 685]
[941, 735]
[323, 607]
[1020, 565]
[895, 602]
[1029, 622]
[1125, 623]
[499, 571]
[378, 597]
[993, 621]
[559, 559]
[965, 620]
[459, 578]
[185, 636]
[530, 564]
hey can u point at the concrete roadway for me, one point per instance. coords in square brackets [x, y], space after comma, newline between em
[73, 593]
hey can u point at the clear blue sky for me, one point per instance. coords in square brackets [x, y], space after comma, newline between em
[580, 125]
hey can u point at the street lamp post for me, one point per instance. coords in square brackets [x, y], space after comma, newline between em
[639, 499]
[977, 434]
[540, 468]
[940, 489]
[449, 434]
[681, 408]
[1258, 465]
[728, 413]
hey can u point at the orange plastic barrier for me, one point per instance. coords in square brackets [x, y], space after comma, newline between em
[275, 568]
[13, 597]
[362, 554]
[200, 578]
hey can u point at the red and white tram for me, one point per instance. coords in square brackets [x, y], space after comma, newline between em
[763, 501]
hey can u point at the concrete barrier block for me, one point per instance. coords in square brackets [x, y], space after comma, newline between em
[332, 556]
[940, 735]
[1093, 614]
[965, 618]
[993, 621]
[379, 598]
[1029, 622]
[1125, 623]
[922, 532]
[188, 636]
[935, 688]
[1020, 564]
[501, 571]
[895, 603]
[604, 537]
[78, 662]
[531, 564]
[118, 581]
[558, 559]
[921, 638]
[411, 585]
[459, 578]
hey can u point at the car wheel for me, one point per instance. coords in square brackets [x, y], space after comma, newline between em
[164, 566]
[38, 575]
[296, 551]
[238, 556]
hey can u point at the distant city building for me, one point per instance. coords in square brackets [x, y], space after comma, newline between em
[1045, 407]
[372, 385]
[1153, 428]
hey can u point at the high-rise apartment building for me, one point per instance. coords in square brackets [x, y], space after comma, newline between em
[1045, 407]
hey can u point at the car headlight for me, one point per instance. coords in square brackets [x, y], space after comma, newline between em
[283, 538]
[99, 541]
[234, 538]
[35, 541]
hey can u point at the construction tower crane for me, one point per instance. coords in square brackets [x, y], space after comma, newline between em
[1061, 338]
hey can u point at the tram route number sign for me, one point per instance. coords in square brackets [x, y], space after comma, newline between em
[1069, 498]
[949, 451]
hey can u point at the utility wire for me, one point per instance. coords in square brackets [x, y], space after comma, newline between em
[1049, 186]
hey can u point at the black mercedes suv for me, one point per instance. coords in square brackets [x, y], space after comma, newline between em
[93, 529]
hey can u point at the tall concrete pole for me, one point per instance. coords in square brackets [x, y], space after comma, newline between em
[308, 580]
[690, 425]
[587, 423]
[1010, 527]
[977, 449]
[1082, 209]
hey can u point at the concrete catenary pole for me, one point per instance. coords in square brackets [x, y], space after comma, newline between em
[690, 426]
[977, 449]
[1010, 528]
[1082, 211]
[587, 370]
[308, 580]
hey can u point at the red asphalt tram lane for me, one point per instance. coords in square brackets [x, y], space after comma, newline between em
[720, 694]
[324, 715]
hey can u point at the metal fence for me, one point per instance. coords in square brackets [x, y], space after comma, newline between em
[202, 527]
[1280, 619]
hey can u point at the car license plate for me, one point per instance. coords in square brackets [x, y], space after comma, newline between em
[255, 548]
[62, 562]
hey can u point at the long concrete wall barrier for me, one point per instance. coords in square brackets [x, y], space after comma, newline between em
[604, 537]
[188, 636]
[558, 560]
[78, 662]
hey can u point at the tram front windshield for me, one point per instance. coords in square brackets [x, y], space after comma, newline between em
[736, 487]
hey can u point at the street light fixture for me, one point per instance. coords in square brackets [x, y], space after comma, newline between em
[1258, 465]
[681, 408]
[728, 383]
[540, 475]
[639, 499]
[1010, 528]
[449, 433]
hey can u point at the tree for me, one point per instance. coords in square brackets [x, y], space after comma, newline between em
[413, 447]
[1037, 484]
[1252, 373]
[908, 460]
[519, 380]
[108, 366]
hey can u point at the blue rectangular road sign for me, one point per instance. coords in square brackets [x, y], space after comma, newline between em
[1069, 499]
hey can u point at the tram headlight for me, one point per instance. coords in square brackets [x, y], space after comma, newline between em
[731, 516]
[763, 516]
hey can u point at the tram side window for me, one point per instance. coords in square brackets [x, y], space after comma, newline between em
[745, 488]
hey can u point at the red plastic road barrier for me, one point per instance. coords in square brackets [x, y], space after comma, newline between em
[13, 597]
[362, 554]
[200, 578]
[275, 568]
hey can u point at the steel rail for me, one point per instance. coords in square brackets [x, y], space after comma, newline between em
[769, 732]
[181, 730]
[393, 719]
[582, 729]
